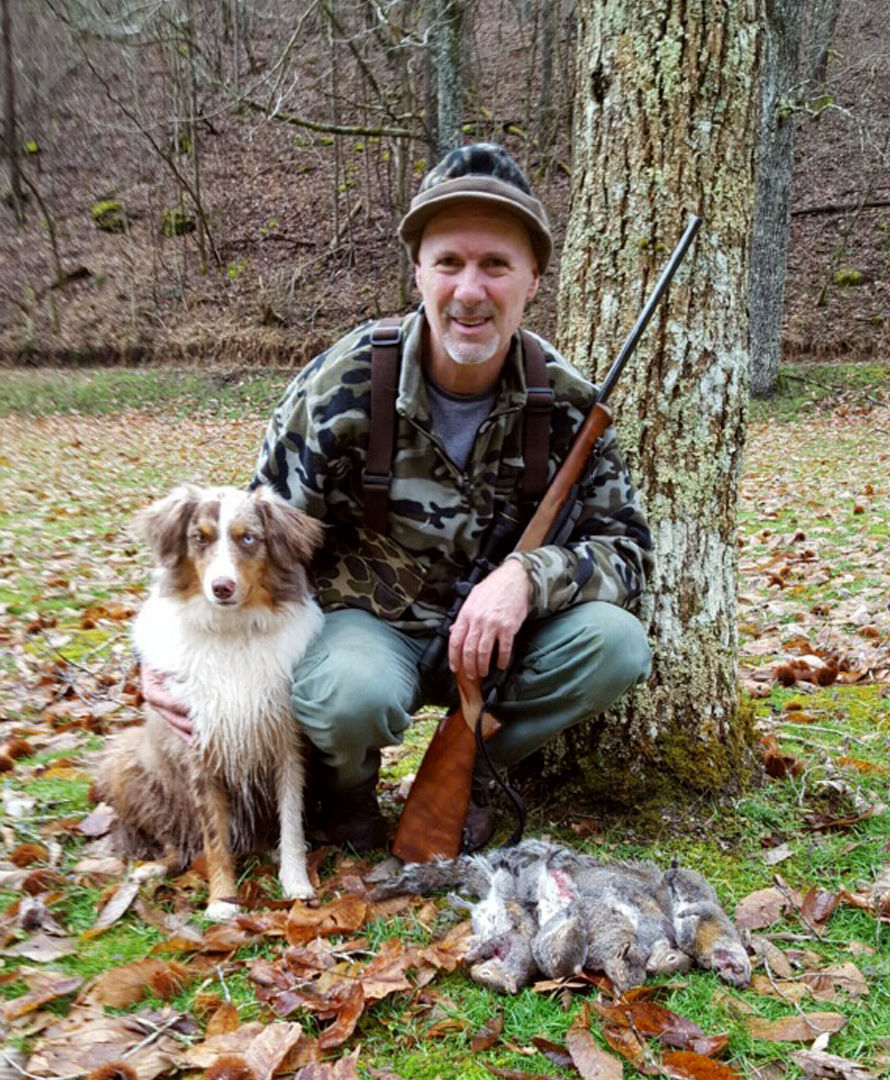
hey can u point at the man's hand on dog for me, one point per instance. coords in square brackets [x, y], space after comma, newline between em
[490, 618]
[157, 694]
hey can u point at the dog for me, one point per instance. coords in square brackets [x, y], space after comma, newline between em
[229, 613]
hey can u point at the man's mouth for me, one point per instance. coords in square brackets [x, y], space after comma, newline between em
[469, 322]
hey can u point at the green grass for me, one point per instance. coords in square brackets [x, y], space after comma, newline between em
[101, 391]
[803, 387]
[843, 748]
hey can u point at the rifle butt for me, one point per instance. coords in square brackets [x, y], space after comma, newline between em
[432, 821]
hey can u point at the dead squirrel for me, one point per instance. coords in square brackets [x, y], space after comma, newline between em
[571, 911]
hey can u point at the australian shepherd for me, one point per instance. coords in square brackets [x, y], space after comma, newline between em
[229, 614]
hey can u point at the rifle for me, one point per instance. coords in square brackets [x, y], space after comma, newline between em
[432, 819]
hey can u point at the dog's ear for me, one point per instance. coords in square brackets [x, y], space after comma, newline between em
[291, 535]
[163, 526]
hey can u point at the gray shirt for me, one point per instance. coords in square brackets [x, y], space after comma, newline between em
[456, 419]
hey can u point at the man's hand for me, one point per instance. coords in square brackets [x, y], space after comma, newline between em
[490, 616]
[157, 694]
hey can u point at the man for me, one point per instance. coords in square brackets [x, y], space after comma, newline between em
[479, 240]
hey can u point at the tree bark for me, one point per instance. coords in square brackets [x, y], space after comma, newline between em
[666, 122]
[9, 115]
[772, 204]
[445, 32]
[823, 21]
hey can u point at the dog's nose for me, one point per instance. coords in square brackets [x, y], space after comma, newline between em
[223, 588]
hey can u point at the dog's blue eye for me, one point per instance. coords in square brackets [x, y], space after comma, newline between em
[248, 539]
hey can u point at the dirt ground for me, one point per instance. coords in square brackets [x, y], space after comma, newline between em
[303, 226]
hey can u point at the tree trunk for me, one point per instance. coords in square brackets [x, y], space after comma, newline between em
[9, 115]
[823, 21]
[772, 203]
[445, 34]
[666, 122]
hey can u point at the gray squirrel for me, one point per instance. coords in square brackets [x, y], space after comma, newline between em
[547, 910]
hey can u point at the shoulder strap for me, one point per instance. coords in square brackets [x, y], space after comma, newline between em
[386, 340]
[536, 419]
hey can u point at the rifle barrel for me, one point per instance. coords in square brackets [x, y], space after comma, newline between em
[646, 314]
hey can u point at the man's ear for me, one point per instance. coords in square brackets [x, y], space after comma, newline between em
[532, 290]
[417, 276]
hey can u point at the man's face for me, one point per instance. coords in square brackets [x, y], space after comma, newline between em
[476, 271]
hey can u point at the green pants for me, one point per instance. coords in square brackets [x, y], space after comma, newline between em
[356, 688]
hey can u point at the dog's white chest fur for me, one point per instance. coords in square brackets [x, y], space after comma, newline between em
[231, 668]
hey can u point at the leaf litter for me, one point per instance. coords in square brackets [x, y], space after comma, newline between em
[813, 612]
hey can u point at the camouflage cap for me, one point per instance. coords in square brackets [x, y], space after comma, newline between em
[485, 172]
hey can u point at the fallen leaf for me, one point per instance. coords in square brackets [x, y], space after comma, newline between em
[486, 1037]
[117, 906]
[344, 915]
[75, 1046]
[223, 1021]
[803, 1028]
[818, 906]
[832, 982]
[818, 1063]
[559, 1055]
[591, 1062]
[344, 1068]
[761, 908]
[42, 948]
[686, 1065]
[45, 988]
[120, 987]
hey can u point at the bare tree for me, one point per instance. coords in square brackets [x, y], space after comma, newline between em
[772, 207]
[823, 22]
[667, 120]
[444, 38]
[10, 122]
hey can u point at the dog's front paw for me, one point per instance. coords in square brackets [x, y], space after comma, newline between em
[149, 871]
[220, 910]
[296, 885]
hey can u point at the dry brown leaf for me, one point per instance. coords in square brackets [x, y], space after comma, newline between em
[761, 908]
[223, 1021]
[648, 1018]
[42, 948]
[786, 989]
[818, 906]
[835, 981]
[774, 959]
[44, 989]
[384, 974]
[344, 915]
[74, 1046]
[486, 1037]
[117, 905]
[687, 1065]
[344, 1068]
[802, 1028]
[591, 1062]
[448, 954]
[126, 985]
[271, 1049]
[819, 1063]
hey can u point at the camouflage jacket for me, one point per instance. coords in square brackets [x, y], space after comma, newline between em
[314, 454]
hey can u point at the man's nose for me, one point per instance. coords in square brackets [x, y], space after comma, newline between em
[470, 285]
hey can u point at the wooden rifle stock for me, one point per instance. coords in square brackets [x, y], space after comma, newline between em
[432, 821]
